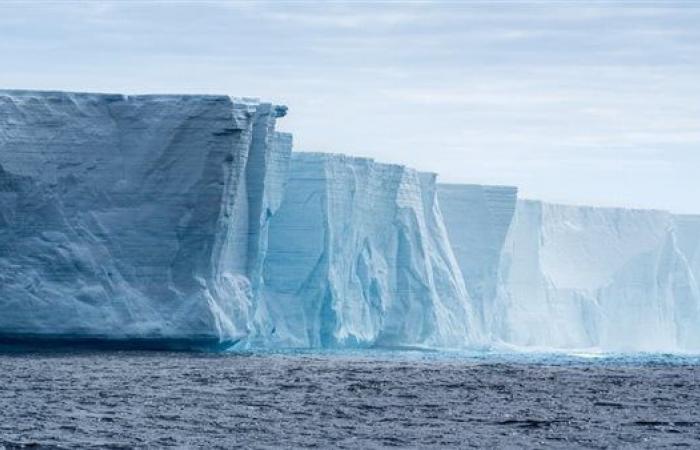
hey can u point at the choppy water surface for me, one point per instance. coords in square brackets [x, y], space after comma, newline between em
[354, 400]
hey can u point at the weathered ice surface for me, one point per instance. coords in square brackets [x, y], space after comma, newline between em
[134, 217]
[477, 219]
[604, 278]
[358, 256]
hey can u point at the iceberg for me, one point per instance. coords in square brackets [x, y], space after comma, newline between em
[185, 221]
[478, 218]
[358, 256]
[610, 279]
[135, 218]
[688, 233]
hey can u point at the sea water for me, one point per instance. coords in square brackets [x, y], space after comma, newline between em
[351, 399]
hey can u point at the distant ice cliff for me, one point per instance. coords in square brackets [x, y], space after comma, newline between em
[608, 278]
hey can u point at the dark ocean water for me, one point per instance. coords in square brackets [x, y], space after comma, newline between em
[350, 400]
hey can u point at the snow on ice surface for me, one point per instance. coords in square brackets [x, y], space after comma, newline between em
[358, 256]
[131, 217]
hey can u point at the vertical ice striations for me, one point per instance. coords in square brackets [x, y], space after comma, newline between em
[605, 278]
[271, 187]
[358, 256]
[265, 179]
[134, 217]
[477, 218]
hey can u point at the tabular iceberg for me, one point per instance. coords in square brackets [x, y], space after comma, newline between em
[134, 217]
[573, 277]
[688, 240]
[184, 221]
[478, 219]
[358, 256]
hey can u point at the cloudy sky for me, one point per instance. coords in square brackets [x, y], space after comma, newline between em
[576, 102]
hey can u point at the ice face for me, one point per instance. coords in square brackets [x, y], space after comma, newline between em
[606, 278]
[571, 277]
[185, 221]
[477, 219]
[688, 231]
[358, 256]
[134, 217]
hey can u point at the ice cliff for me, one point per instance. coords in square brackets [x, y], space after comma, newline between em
[575, 277]
[688, 235]
[176, 221]
[134, 217]
[358, 256]
[477, 218]
[606, 278]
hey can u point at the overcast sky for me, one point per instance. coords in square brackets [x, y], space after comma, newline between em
[596, 104]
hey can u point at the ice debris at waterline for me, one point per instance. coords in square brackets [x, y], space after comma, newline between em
[183, 221]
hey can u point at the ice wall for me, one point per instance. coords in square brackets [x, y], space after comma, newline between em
[184, 221]
[603, 278]
[135, 217]
[688, 232]
[358, 256]
[477, 218]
